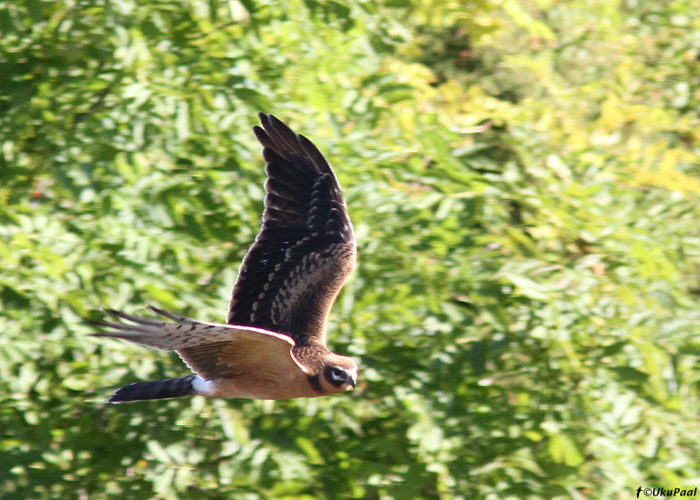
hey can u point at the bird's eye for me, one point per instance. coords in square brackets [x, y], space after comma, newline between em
[338, 373]
[337, 376]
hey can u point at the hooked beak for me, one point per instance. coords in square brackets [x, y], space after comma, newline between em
[353, 378]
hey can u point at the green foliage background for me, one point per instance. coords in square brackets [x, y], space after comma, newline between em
[524, 178]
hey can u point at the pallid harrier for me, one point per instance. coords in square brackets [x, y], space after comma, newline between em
[274, 345]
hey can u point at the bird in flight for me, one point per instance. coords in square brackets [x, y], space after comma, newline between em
[274, 343]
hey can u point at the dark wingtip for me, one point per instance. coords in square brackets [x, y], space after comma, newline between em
[264, 119]
[271, 123]
[169, 315]
[94, 322]
[275, 122]
[98, 335]
[163, 312]
[263, 138]
[119, 314]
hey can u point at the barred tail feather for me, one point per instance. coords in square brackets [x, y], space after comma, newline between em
[158, 389]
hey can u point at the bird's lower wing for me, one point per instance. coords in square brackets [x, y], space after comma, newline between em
[211, 350]
[179, 333]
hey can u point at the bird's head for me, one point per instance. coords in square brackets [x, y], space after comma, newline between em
[339, 373]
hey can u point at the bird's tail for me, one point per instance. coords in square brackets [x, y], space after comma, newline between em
[158, 389]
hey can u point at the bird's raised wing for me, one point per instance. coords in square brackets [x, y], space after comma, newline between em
[306, 247]
[210, 350]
